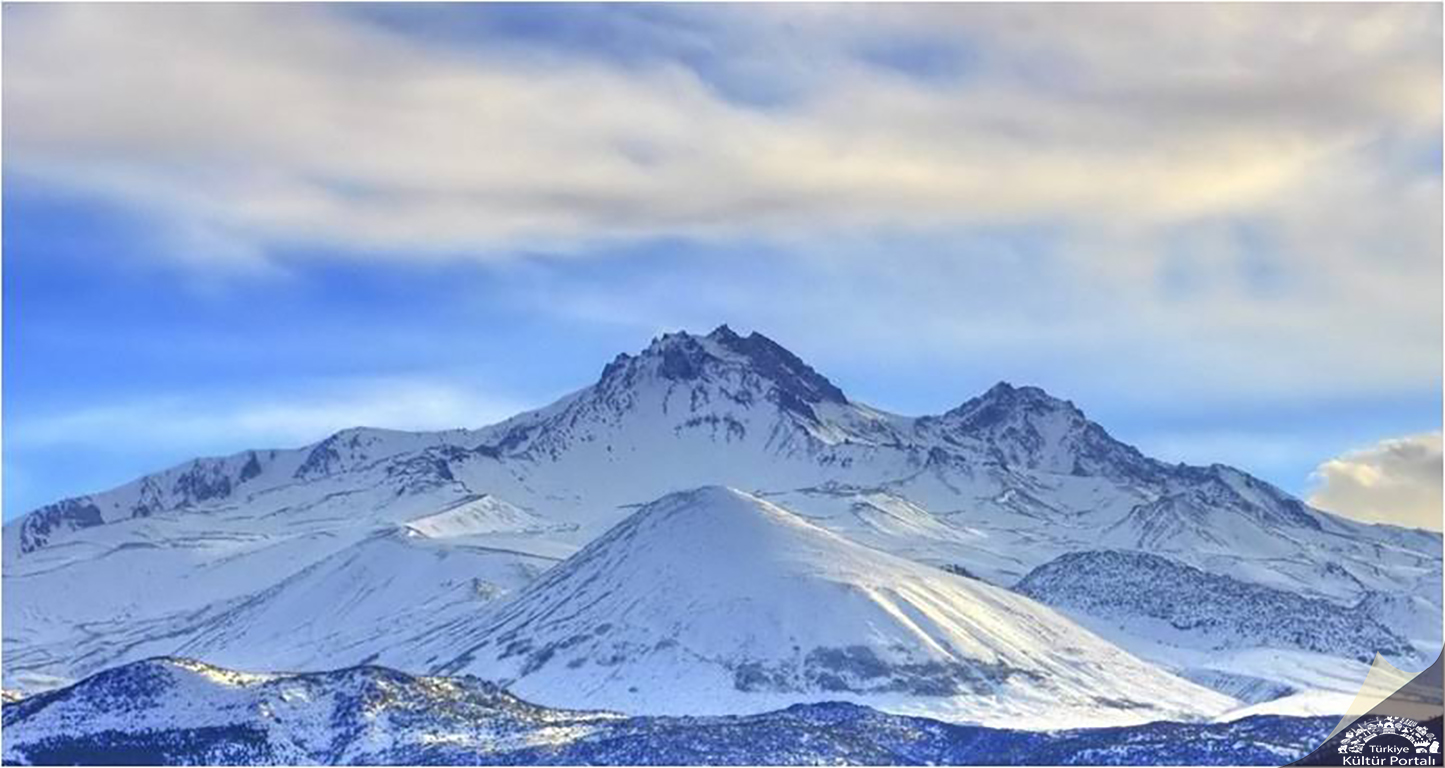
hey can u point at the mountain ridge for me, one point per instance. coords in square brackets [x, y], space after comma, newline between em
[678, 356]
[995, 487]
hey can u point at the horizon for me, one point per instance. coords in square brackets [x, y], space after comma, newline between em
[1218, 235]
[641, 349]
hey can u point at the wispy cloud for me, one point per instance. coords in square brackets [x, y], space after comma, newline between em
[281, 420]
[1394, 481]
[271, 125]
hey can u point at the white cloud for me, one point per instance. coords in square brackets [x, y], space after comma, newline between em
[226, 423]
[274, 125]
[1394, 481]
[1132, 132]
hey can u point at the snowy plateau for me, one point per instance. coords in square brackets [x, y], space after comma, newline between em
[710, 555]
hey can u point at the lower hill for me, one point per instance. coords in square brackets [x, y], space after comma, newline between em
[715, 602]
[176, 711]
[1154, 595]
[1249, 641]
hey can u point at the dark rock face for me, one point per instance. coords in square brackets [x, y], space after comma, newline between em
[429, 469]
[1226, 611]
[345, 451]
[959, 570]
[682, 361]
[151, 499]
[857, 669]
[204, 480]
[251, 469]
[322, 459]
[378, 716]
[795, 378]
[788, 381]
[68, 515]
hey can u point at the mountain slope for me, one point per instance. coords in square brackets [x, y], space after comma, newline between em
[1250, 641]
[252, 580]
[363, 604]
[716, 602]
[1182, 605]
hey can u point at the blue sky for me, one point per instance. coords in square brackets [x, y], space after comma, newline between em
[1218, 235]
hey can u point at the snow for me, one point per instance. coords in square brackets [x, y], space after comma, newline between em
[364, 603]
[477, 516]
[401, 546]
[713, 601]
[1313, 703]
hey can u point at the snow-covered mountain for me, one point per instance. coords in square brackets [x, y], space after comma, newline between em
[182, 712]
[219, 558]
[715, 602]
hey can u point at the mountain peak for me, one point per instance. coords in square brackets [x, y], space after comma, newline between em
[706, 496]
[722, 333]
[682, 356]
[771, 359]
[1027, 395]
[1005, 403]
[719, 514]
[715, 528]
[1026, 427]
